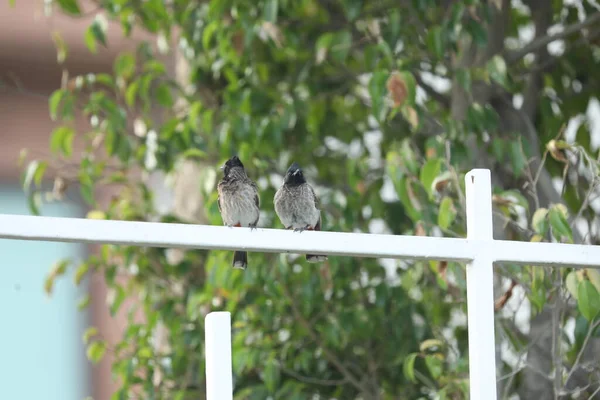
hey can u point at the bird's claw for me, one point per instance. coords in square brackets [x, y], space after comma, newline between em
[252, 227]
[302, 229]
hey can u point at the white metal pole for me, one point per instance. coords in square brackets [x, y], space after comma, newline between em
[480, 287]
[217, 331]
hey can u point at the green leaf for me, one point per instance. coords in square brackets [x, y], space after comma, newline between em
[434, 365]
[477, 32]
[84, 302]
[572, 283]
[352, 9]
[86, 189]
[70, 6]
[408, 367]
[62, 140]
[59, 269]
[447, 213]
[34, 202]
[163, 95]
[322, 47]
[429, 172]
[61, 47]
[340, 46]
[538, 294]
[131, 93]
[517, 157]
[463, 77]
[271, 375]
[557, 217]
[377, 92]
[496, 67]
[588, 300]
[54, 102]
[80, 273]
[118, 300]
[435, 41]
[270, 10]
[476, 118]
[124, 65]
[89, 334]
[96, 351]
[208, 33]
[194, 153]
[111, 142]
[38, 175]
[95, 34]
[594, 277]
[539, 222]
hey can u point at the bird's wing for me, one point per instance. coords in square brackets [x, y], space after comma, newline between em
[219, 196]
[256, 196]
[315, 198]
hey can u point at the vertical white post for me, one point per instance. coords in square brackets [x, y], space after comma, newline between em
[217, 331]
[480, 288]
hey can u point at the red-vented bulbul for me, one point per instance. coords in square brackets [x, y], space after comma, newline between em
[297, 205]
[238, 202]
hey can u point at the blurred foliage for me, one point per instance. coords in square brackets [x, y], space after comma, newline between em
[363, 95]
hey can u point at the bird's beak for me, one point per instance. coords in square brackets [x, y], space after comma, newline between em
[296, 172]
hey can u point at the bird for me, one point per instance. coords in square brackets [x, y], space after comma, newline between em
[297, 206]
[238, 201]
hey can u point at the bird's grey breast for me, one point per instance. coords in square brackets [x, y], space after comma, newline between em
[237, 199]
[295, 206]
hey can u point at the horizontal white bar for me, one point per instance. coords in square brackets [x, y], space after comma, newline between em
[154, 234]
[547, 254]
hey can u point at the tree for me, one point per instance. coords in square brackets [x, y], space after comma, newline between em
[386, 105]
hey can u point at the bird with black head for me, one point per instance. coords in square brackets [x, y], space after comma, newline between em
[297, 205]
[239, 202]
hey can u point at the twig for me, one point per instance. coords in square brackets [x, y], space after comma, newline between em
[594, 393]
[439, 97]
[312, 381]
[544, 40]
[461, 196]
[502, 300]
[350, 378]
[580, 354]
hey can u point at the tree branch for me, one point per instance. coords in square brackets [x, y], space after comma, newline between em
[516, 55]
[312, 381]
[349, 377]
[437, 96]
[575, 366]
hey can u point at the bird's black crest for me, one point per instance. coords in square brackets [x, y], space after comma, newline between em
[232, 163]
[294, 175]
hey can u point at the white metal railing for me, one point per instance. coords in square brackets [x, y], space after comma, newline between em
[479, 251]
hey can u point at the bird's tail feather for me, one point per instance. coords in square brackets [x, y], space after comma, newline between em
[240, 259]
[312, 258]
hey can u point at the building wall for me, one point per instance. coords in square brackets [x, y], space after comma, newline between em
[40, 336]
[42, 354]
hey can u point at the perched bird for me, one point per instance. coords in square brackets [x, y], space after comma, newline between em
[297, 205]
[238, 202]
